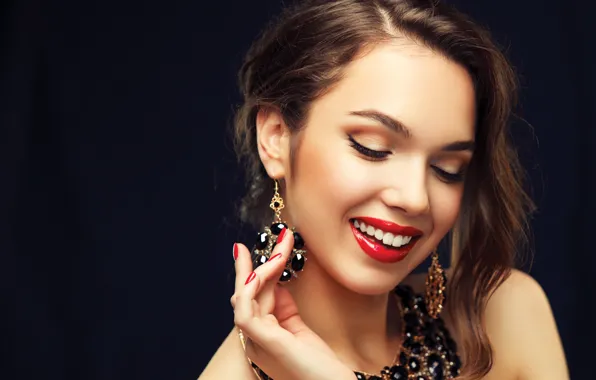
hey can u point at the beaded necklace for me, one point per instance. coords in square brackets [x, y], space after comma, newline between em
[428, 352]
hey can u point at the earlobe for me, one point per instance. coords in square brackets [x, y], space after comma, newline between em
[272, 141]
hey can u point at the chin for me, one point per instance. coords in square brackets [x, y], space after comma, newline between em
[368, 280]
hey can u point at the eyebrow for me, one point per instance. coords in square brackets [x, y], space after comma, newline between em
[397, 126]
[386, 120]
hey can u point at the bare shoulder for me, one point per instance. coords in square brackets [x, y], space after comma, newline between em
[229, 362]
[523, 332]
[521, 328]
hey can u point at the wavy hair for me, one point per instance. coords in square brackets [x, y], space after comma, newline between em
[302, 54]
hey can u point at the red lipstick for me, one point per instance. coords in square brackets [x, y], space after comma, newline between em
[376, 249]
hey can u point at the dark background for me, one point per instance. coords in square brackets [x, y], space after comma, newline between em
[118, 181]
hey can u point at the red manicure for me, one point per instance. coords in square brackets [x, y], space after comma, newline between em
[275, 257]
[281, 235]
[251, 277]
[235, 252]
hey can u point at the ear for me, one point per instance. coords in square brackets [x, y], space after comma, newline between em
[273, 142]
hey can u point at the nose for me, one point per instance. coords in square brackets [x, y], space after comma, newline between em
[407, 190]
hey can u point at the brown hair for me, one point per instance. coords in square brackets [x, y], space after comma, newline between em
[301, 55]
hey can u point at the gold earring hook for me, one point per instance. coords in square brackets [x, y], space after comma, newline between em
[277, 203]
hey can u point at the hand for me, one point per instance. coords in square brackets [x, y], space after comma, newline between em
[278, 341]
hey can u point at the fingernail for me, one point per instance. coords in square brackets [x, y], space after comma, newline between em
[281, 235]
[235, 251]
[275, 257]
[251, 277]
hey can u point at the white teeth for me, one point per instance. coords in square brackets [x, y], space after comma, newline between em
[362, 227]
[388, 238]
[379, 234]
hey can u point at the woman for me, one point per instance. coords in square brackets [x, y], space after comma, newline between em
[375, 130]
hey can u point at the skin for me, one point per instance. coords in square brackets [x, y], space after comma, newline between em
[329, 183]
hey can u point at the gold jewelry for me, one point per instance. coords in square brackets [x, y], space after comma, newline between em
[277, 203]
[435, 287]
[268, 238]
[427, 350]
[385, 372]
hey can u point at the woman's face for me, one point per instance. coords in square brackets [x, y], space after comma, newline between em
[388, 147]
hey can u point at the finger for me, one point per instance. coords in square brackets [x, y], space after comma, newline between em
[268, 272]
[272, 269]
[243, 265]
[286, 311]
[263, 330]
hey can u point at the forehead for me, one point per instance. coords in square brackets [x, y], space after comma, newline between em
[430, 94]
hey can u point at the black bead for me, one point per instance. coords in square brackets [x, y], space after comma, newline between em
[285, 276]
[416, 348]
[413, 346]
[429, 340]
[422, 307]
[404, 291]
[451, 345]
[297, 262]
[435, 366]
[275, 204]
[419, 300]
[262, 240]
[398, 373]
[360, 376]
[403, 358]
[408, 342]
[406, 303]
[413, 365]
[410, 331]
[277, 227]
[411, 320]
[429, 328]
[298, 241]
[260, 260]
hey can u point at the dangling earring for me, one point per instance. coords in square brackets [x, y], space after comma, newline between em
[435, 287]
[267, 240]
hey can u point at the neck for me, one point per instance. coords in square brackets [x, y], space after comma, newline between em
[363, 330]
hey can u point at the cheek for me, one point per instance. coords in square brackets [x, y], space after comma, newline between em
[328, 181]
[445, 205]
[325, 173]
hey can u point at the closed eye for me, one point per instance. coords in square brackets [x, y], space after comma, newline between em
[371, 154]
[449, 177]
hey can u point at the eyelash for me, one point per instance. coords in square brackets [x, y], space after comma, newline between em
[373, 155]
[449, 177]
[376, 155]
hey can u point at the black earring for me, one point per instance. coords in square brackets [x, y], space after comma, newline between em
[267, 239]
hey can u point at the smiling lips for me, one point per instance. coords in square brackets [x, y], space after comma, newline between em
[382, 240]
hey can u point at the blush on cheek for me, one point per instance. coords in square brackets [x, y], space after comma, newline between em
[445, 208]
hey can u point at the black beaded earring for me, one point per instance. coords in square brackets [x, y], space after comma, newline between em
[267, 239]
